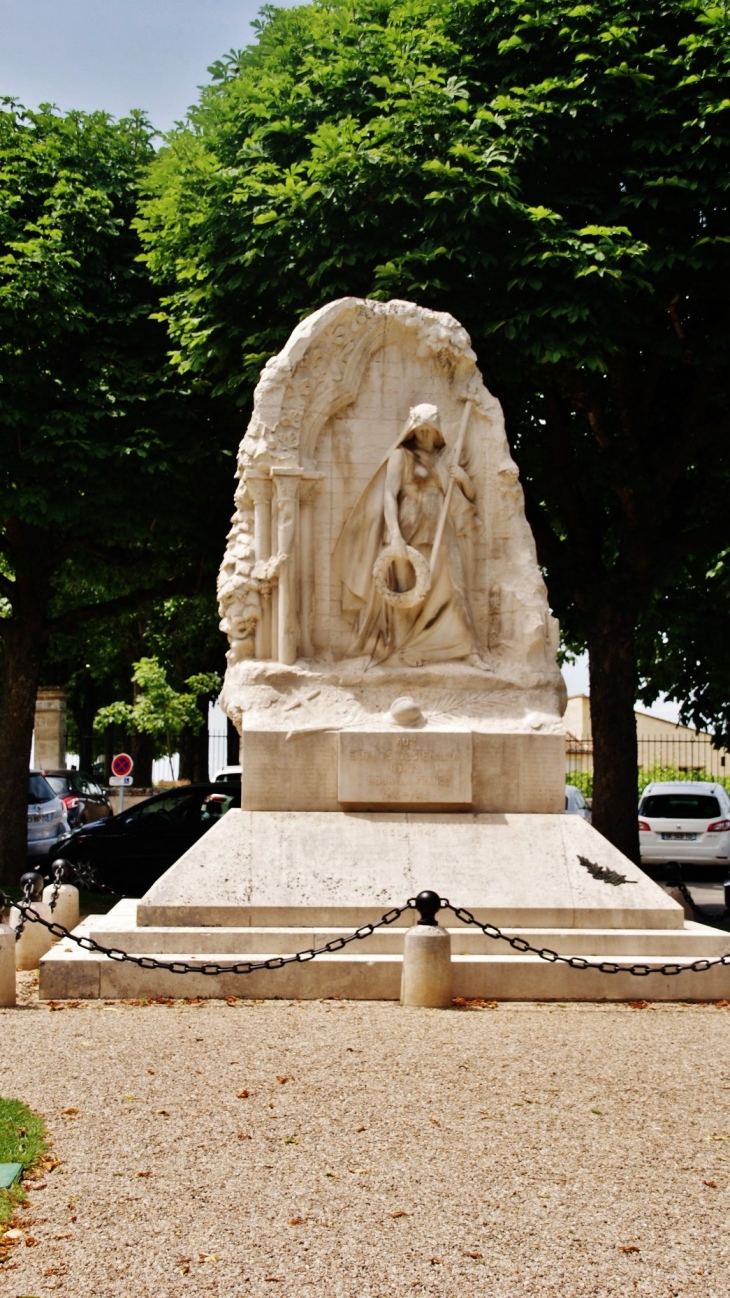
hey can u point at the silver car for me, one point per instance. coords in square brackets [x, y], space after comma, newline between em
[685, 821]
[47, 818]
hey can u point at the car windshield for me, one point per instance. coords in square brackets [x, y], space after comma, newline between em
[680, 806]
[39, 790]
[59, 783]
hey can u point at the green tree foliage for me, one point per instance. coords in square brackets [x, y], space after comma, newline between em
[555, 175]
[692, 663]
[158, 709]
[114, 484]
[181, 632]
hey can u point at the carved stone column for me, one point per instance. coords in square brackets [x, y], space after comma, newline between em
[286, 486]
[259, 487]
[308, 486]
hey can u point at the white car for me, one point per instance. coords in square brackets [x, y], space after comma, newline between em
[575, 803]
[684, 821]
[47, 818]
[228, 775]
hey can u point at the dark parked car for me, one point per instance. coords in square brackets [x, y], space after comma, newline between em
[128, 852]
[82, 797]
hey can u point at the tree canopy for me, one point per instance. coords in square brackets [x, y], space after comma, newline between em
[114, 480]
[555, 175]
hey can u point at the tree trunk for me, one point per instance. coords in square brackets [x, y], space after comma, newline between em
[612, 658]
[108, 752]
[233, 744]
[24, 637]
[142, 752]
[84, 713]
[194, 749]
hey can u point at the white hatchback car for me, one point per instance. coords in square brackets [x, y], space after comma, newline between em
[684, 821]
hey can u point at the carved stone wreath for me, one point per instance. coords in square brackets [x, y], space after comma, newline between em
[402, 598]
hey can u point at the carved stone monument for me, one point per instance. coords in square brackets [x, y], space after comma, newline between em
[391, 642]
[392, 674]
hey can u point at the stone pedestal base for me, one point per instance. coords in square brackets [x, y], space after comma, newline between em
[266, 884]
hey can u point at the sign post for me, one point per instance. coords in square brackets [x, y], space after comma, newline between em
[122, 766]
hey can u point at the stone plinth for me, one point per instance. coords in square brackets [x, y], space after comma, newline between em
[324, 868]
[304, 770]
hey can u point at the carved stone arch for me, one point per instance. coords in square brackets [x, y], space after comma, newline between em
[340, 393]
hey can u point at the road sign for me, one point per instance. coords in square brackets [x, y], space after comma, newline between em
[122, 764]
[120, 781]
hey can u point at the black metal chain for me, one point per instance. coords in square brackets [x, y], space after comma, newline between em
[27, 899]
[336, 944]
[59, 873]
[578, 961]
[179, 966]
[700, 911]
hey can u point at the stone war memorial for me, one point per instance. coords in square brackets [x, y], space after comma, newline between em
[392, 674]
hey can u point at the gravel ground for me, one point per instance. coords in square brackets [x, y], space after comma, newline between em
[353, 1150]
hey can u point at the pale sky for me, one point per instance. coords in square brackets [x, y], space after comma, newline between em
[117, 54]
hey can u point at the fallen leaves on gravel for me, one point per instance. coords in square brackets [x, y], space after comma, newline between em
[399, 1213]
[243, 1095]
[244, 1135]
[629, 1248]
[712, 1184]
[474, 1003]
[281, 1080]
[474, 1255]
[144, 1173]
[297, 1221]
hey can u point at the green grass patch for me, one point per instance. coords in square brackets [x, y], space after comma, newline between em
[22, 1140]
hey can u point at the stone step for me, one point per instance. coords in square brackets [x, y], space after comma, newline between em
[693, 940]
[68, 972]
[86, 976]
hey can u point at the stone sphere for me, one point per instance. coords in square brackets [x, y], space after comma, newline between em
[405, 711]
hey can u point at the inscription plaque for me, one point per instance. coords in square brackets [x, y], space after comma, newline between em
[426, 769]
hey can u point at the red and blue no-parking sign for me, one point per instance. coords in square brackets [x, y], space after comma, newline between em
[122, 764]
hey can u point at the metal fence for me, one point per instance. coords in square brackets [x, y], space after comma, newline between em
[680, 758]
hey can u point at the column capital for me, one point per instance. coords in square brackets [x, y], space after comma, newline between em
[258, 484]
[286, 481]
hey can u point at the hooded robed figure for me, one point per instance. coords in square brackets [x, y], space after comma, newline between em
[401, 507]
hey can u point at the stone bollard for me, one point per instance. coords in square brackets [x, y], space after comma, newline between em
[35, 940]
[426, 977]
[7, 965]
[67, 904]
